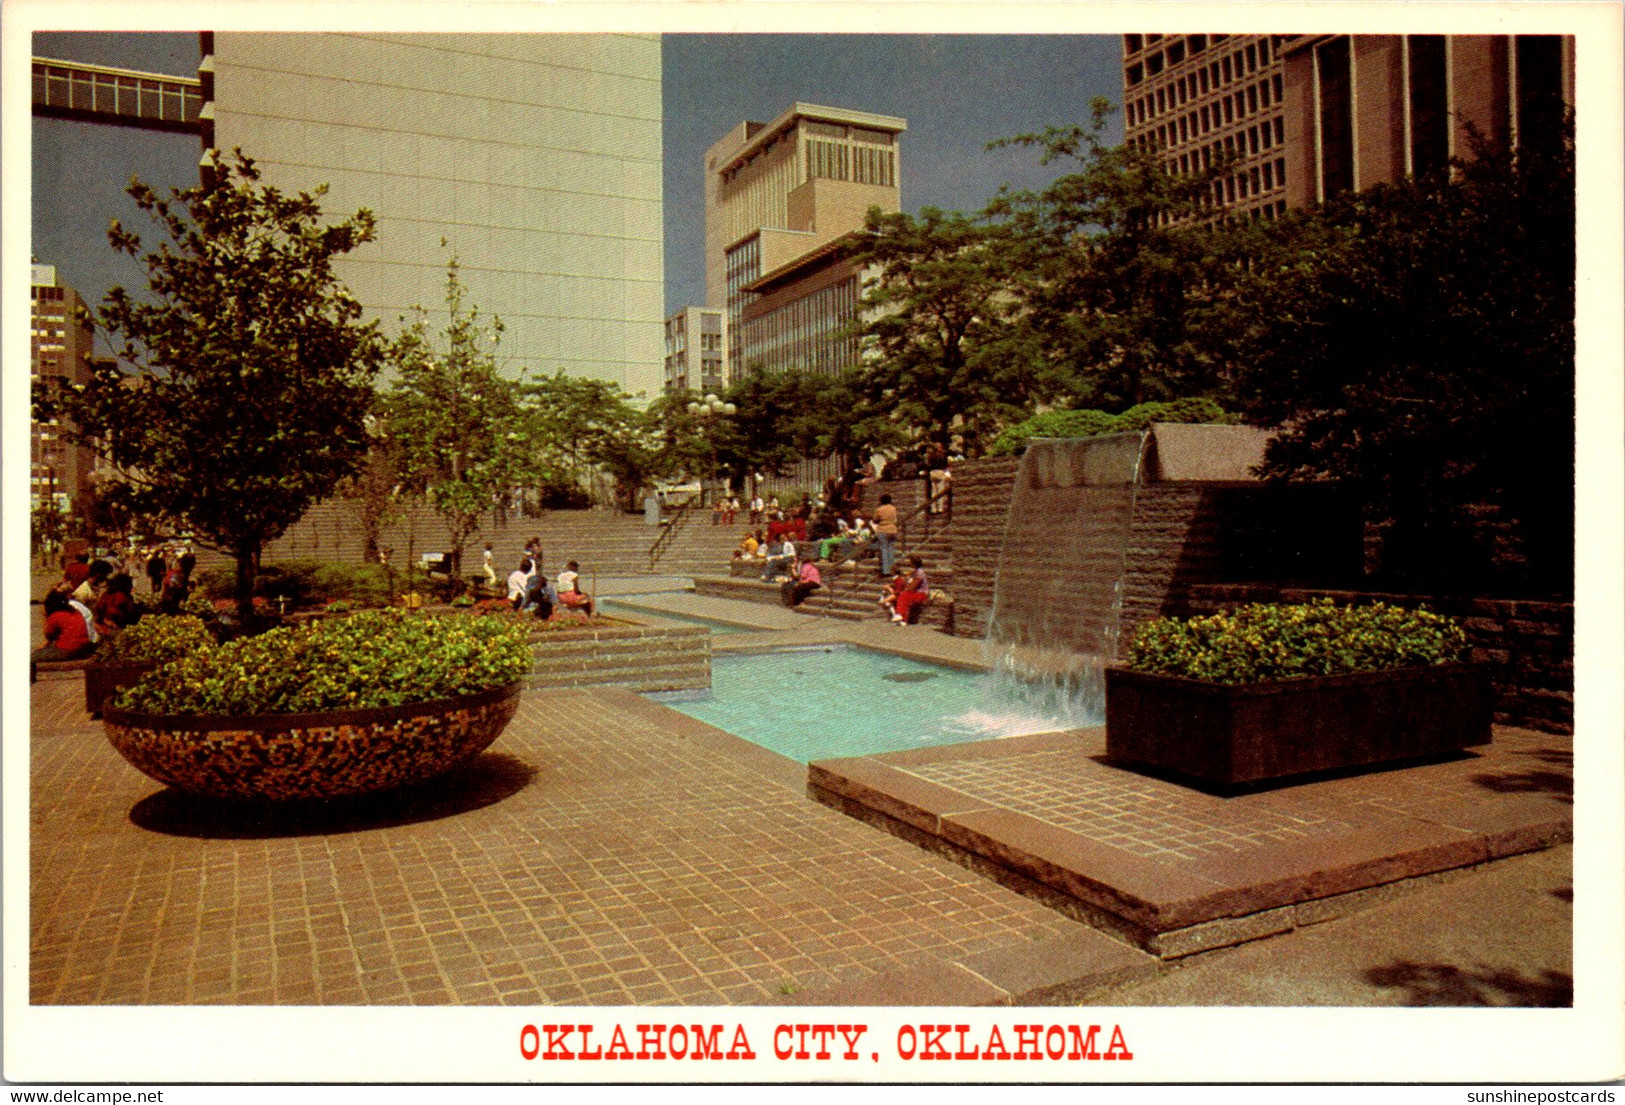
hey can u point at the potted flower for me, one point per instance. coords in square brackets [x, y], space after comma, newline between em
[132, 652]
[1271, 691]
[332, 708]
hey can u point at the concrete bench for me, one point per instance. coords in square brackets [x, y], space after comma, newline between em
[61, 669]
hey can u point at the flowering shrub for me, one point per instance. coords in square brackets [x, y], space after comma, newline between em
[1262, 642]
[371, 658]
[160, 637]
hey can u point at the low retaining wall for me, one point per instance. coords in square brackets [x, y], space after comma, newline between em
[1528, 645]
[639, 658]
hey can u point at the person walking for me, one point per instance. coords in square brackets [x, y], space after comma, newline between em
[156, 569]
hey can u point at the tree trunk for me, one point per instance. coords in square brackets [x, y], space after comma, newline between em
[247, 568]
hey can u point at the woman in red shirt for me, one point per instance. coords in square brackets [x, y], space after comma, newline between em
[66, 637]
[116, 608]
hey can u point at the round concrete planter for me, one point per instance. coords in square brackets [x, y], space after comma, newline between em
[101, 680]
[279, 757]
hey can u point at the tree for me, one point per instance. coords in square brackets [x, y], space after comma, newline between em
[940, 354]
[1125, 283]
[237, 396]
[375, 487]
[574, 425]
[460, 424]
[1417, 341]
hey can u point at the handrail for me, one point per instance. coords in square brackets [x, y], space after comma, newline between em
[658, 549]
[946, 514]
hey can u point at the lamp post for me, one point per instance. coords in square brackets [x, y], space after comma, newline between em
[707, 409]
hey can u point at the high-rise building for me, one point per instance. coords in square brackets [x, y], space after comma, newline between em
[60, 339]
[696, 351]
[800, 315]
[535, 159]
[1303, 117]
[777, 192]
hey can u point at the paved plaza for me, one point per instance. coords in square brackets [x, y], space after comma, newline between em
[607, 850]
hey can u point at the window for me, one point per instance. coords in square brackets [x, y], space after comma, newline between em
[1196, 43]
[1229, 111]
[1252, 140]
[1132, 43]
[1225, 68]
[1430, 138]
[1269, 176]
[1153, 65]
[1176, 53]
[1161, 99]
[1336, 117]
[1136, 73]
[1280, 131]
[1280, 176]
[1276, 81]
[1252, 59]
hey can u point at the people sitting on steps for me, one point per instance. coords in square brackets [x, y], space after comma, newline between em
[780, 557]
[916, 590]
[803, 582]
[569, 589]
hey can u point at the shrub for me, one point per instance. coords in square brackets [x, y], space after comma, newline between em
[371, 658]
[1262, 642]
[306, 582]
[1093, 423]
[160, 637]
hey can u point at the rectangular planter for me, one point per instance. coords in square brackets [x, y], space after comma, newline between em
[1249, 733]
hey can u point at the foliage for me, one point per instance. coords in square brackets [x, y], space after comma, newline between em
[237, 397]
[941, 354]
[48, 526]
[573, 426]
[463, 600]
[310, 582]
[1092, 423]
[339, 606]
[372, 658]
[1262, 642]
[1129, 304]
[458, 422]
[156, 637]
[1416, 340]
[375, 487]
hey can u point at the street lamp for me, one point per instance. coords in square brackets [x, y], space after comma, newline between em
[710, 407]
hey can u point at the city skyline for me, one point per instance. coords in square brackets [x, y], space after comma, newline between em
[957, 90]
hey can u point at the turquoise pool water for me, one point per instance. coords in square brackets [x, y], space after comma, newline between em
[613, 607]
[815, 704]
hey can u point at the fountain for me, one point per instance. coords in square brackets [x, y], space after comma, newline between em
[1058, 592]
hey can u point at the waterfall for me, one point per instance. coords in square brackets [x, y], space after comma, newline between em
[1058, 591]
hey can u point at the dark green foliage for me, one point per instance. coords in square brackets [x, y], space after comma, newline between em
[308, 582]
[1093, 423]
[241, 383]
[1417, 342]
[373, 658]
[1262, 642]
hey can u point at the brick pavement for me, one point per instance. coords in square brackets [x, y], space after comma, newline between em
[1179, 870]
[604, 851]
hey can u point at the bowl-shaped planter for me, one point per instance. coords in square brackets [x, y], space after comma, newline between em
[1233, 734]
[276, 757]
[101, 680]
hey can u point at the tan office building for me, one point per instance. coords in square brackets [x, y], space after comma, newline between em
[536, 157]
[779, 191]
[696, 351]
[60, 342]
[1304, 117]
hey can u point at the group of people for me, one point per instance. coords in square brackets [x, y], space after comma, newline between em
[530, 591]
[724, 511]
[840, 537]
[96, 598]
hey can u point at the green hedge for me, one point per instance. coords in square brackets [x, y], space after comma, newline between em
[1093, 423]
[1262, 642]
[161, 637]
[308, 582]
[372, 658]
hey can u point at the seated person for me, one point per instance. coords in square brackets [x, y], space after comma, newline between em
[833, 546]
[779, 558]
[90, 588]
[540, 598]
[775, 528]
[747, 548]
[116, 608]
[569, 590]
[906, 608]
[519, 584]
[67, 636]
[804, 582]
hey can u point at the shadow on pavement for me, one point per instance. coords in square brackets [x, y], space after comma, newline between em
[1557, 783]
[1442, 984]
[487, 779]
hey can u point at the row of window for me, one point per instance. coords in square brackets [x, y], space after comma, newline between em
[838, 161]
[744, 264]
[1232, 106]
[1232, 67]
[806, 334]
[1256, 139]
[1201, 122]
[79, 90]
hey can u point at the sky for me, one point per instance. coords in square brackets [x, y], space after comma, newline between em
[958, 92]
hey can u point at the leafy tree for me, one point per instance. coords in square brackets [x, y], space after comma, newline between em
[941, 355]
[459, 423]
[237, 396]
[1417, 341]
[375, 487]
[1092, 423]
[1126, 286]
[575, 425]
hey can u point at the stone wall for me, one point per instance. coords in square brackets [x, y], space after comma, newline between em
[1530, 645]
[981, 509]
[640, 658]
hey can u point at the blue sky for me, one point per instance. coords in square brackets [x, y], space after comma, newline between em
[958, 92]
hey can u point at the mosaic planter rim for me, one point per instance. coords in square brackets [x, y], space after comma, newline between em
[365, 715]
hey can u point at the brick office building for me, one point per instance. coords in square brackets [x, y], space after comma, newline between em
[1308, 116]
